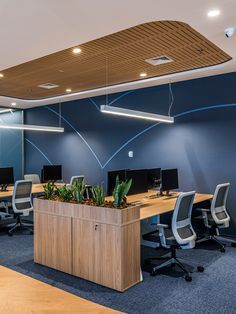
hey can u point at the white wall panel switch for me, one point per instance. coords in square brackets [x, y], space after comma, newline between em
[131, 154]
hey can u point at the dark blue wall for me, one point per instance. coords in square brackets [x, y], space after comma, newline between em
[11, 143]
[201, 143]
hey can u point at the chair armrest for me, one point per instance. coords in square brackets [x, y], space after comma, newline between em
[205, 213]
[162, 226]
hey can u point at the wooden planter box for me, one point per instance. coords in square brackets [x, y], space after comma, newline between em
[95, 243]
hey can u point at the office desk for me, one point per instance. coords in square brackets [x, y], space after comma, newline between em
[36, 189]
[151, 207]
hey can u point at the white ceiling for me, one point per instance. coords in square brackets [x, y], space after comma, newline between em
[30, 29]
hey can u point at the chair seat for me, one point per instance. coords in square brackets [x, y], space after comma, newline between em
[220, 215]
[154, 237]
[171, 241]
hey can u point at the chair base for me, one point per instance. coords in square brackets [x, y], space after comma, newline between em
[227, 239]
[19, 225]
[171, 261]
[215, 240]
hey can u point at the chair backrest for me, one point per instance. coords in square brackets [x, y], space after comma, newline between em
[21, 199]
[75, 179]
[33, 177]
[218, 205]
[181, 221]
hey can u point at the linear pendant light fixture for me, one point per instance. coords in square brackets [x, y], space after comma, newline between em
[31, 127]
[5, 110]
[132, 113]
[136, 114]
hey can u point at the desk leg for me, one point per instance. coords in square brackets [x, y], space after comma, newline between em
[141, 274]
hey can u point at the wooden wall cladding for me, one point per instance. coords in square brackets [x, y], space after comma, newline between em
[114, 59]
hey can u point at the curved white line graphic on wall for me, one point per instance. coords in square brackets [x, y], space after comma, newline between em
[39, 150]
[132, 138]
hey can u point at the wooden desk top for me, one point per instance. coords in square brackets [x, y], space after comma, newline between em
[22, 294]
[37, 188]
[151, 207]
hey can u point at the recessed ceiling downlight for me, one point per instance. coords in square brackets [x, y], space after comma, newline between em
[1, 75]
[143, 74]
[213, 13]
[68, 90]
[76, 50]
[13, 104]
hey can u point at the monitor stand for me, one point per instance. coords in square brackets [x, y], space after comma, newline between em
[3, 187]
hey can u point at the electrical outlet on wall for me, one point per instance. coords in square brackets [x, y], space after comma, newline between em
[131, 154]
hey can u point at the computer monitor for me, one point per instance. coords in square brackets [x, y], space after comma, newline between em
[111, 179]
[169, 180]
[52, 173]
[139, 181]
[153, 177]
[6, 177]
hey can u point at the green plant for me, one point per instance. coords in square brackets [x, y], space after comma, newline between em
[65, 193]
[98, 195]
[120, 191]
[49, 189]
[78, 189]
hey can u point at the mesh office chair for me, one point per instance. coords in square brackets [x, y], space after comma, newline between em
[179, 235]
[80, 178]
[75, 179]
[21, 205]
[216, 217]
[33, 177]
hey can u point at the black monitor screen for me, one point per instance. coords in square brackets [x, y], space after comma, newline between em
[169, 179]
[139, 181]
[153, 177]
[111, 179]
[52, 173]
[6, 176]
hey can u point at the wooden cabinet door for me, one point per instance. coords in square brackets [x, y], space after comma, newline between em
[52, 241]
[96, 252]
[83, 248]
[107, 254]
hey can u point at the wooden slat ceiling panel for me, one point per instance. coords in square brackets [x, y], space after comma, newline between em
[120, 57]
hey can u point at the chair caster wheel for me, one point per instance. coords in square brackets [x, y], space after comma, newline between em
[200, 269]
[147, 262]
[188, 278]
[31, 232]
[222, 250]
[233, 244]
[10, 234]
[153, 273]
[172, 264]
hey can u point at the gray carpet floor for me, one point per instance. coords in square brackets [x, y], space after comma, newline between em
[213, 291]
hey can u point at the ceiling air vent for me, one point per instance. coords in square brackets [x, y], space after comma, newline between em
[48, 85]
[159, 60]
